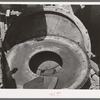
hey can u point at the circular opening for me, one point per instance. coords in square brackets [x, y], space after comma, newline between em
[45, 60]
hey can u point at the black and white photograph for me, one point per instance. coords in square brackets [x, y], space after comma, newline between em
[50, 46]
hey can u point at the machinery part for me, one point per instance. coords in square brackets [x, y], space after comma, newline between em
[95, 67]
[47, 20]
[29, 56]
[58, 49]
[8, 81]
[95, 80]
[46, 82]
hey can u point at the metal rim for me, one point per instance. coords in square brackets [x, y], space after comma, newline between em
[85, 64]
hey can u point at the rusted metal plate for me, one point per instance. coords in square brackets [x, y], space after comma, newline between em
[29, 56]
